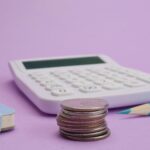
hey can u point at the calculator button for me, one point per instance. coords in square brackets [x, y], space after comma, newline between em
[131, 74]
[42, 83]
[128, 72]
[112, 86]
[81, 73]
[80, 83]
[45, 82]
[123, 79]
[113, 68]
[52, 86]
[44, 79]
[94, 77]
[100, 81]
[91, 78]
[33, 77]
[112, 75]
[40, 76]
[74, 80]
[66, 76]
[84, 74]
[103, 72]
[58, 73]
[134, 83]
[60, 91]
[103, 81]
[90, 88]
[145, 78]
[36, 74]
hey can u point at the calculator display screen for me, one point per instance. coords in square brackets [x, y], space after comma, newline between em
[62, 62]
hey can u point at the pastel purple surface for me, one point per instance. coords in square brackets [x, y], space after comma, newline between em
[41, 28]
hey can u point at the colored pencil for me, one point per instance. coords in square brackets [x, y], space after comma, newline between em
[138, 110]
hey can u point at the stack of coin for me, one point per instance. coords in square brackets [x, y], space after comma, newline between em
[83, 119]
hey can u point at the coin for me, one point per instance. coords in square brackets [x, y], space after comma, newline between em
[84, 105]
[91, 134]
[80, 122]
[81, 125]
[92, 138]
[87, 117]
[83, 130]
[71, 113]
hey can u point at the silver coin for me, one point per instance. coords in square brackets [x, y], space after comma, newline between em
[80, 122]
[83, 130]
[84, 104]
[83, 123]
[73, 117]
[85, 134]
[93, 138]
[81, 126]
[93, 113]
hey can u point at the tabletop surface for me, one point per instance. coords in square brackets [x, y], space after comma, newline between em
[41, 28]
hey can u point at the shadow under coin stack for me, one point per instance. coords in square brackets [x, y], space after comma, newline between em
[83, 120]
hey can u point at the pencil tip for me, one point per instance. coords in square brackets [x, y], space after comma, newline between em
[127, 111]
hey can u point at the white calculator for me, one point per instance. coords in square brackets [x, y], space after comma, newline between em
[49, 81]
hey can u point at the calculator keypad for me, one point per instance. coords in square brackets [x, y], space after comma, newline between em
[89, 80]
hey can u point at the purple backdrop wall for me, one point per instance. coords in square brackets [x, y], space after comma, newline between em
[41, 28]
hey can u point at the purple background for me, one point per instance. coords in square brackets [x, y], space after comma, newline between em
[41, 28]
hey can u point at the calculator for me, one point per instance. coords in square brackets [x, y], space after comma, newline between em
[49, 81]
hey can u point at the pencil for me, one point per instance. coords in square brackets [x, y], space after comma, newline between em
[138, 110]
